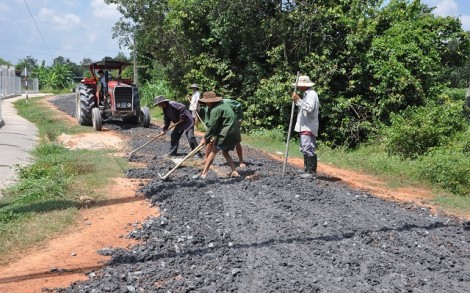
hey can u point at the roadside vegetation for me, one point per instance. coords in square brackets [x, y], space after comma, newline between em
[46, 198]
[391, 77]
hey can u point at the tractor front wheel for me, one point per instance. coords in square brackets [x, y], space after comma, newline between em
[144, 117]
[96, 118]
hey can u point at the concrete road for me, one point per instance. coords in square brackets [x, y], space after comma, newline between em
[18, 137]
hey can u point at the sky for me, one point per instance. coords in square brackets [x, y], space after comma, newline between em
[77, 29]
[73, 29]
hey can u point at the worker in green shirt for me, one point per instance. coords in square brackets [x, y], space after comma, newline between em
[238, 110]
[222, 129]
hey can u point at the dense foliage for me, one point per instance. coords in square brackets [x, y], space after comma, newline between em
[368, 60]
[418, 129]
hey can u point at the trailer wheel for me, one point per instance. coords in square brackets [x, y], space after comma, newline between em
[144, 119]
[84, 102]
[97, 120]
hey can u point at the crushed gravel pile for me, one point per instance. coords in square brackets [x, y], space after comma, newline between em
[268, 233]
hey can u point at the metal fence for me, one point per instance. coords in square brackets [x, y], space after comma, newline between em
[12, 85]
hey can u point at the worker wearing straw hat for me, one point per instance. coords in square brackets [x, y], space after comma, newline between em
[307, 124]
[223, 129]
[177, 113]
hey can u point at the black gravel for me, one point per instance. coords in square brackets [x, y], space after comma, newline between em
[276, 234]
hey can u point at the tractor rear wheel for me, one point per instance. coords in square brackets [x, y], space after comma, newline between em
[96, 118]
[144, 117]
[85, 101]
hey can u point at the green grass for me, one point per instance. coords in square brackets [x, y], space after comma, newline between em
[453, 202]
[45, 200]
[271, 142]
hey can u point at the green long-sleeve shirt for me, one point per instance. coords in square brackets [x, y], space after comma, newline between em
[236, 107]
[222, 124]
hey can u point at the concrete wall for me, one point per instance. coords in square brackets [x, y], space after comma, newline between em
[1, 118]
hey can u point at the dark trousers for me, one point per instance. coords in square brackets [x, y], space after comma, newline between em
[176, 136]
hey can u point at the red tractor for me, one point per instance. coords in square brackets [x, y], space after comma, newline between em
[100, 97]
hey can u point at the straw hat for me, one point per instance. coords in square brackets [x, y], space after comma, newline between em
[159, 100]
[194, 85]
[304, 81]
[210, 97]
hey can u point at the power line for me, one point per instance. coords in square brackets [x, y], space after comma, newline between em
[39, 31]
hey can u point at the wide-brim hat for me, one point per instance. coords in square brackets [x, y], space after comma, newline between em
[210, 97]
[304, 81]
[159, 100]
[194, 85]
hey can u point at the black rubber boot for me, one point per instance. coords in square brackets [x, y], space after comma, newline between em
[314, 163]
[311, 167]
[305, 163]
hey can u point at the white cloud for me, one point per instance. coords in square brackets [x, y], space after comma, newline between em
[92, 36]
[465, 19]
[61, 22]
[102, 10]
[446, 8]
[449, 8]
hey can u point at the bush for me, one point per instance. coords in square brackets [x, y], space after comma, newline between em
[454, 94]
[270, 107]
[419, 129]
[448, 168]
[154, 88]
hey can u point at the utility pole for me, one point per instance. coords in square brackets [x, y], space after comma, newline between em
[134, 52]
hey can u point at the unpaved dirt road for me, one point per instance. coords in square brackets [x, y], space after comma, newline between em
[268, 233]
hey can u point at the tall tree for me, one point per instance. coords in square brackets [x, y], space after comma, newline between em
[4, 62]
[29, 62]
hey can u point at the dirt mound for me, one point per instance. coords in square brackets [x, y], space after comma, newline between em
[92, 141]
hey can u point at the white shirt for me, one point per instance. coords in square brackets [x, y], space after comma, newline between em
[307, 118]
[194, 104]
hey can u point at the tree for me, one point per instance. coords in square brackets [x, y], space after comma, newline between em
[86, 62]
[121, 57]
[4, 62]
[56, 77]
[29, 62]
[368, 60]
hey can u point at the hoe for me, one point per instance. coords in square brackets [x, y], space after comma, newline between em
[192, 153]
[161, 134]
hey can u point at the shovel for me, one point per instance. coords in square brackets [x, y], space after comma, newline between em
[192, 153]
[161, 134]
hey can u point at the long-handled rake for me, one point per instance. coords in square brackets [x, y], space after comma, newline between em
[192, 153]
[200, 120]
[161, 134]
